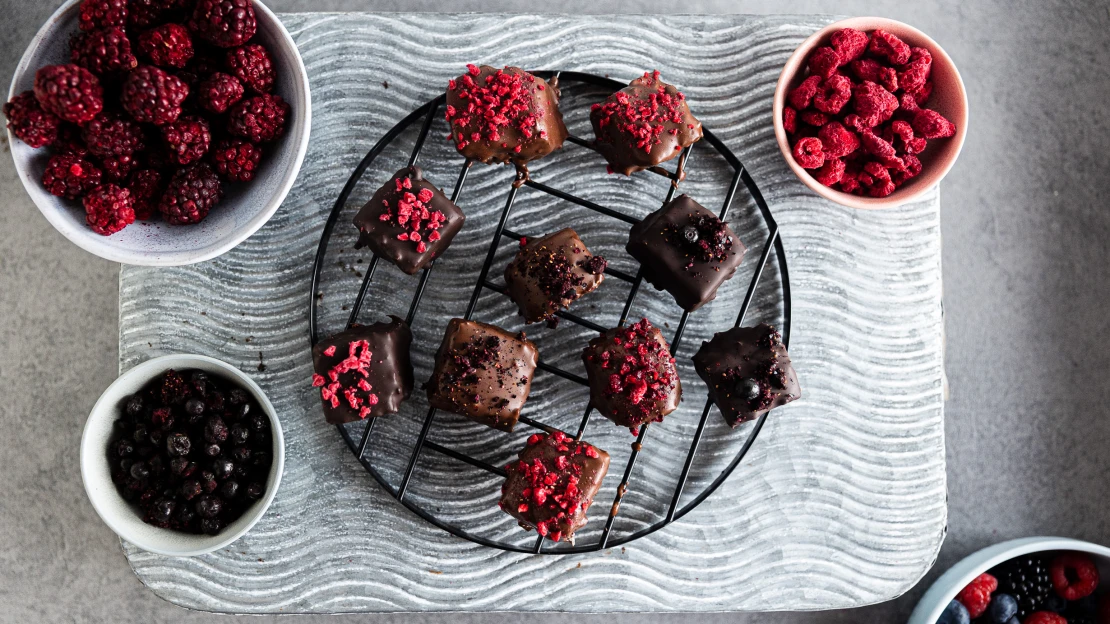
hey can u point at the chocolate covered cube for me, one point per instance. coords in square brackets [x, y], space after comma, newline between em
[747, 371]
[363, 372]
[550, 273]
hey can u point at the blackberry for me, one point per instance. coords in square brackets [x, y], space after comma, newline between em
[70, 176]
[97, 14]
[224, 23]
[70, 92]
[191, 193]
[168, 45]
[252, 65]
[151, 95]
[103, 51]
[118, 169]
[146, 13]
[1026, 578]
[236, 160]
[219, 92]
[187, 139]
[69, 141]
[29, 122]
[146, 190]
[110, 135]
[108, 209]
[258, 119]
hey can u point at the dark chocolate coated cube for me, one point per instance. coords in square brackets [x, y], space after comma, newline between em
[364, 372]
[550, 273]
[748, 372]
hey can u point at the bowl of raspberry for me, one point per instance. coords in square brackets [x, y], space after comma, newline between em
[870, 112]
[1033, 580]
[159, 132]
[182, 455]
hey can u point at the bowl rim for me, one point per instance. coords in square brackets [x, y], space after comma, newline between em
[944, 589]
[80, 236]
[846, 199]
[103, 410]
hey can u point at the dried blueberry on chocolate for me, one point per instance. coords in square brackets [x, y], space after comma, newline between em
[686, 250]
[552, 483]
[363, 372]
[482, 372]
[550, 273]
[408, 221]
[633, 380]
[642, 125]
[747, 371]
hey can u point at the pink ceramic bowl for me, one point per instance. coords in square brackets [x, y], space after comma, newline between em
[948, 99]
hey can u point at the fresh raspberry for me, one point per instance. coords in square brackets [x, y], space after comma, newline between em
[977, 595]
[70, 92]
[789, 120]
[187, 139]
[881, 149]
[932, 125]
[191, 193]
[824, 61]
[835, 92]
[876, 181]
[849, 43]
[830, 172]
[168, 45]
[891, 48]
[236, 160]
[118, 168]
[869, 69]
[146, 190]
[874, 102]
[151, 95]
[809, 153]
[1074, 575]
[103, 51]
[1045, 617]
[259, 119]
[29, 122]
[70, 176]
[69, 141]
[252, 65]
[111, 135]
[219, 92]
[914, 75]
[837, 141]
[97, 14]
[802, 95]
[108, 209]
[813, 118]
[224, 23]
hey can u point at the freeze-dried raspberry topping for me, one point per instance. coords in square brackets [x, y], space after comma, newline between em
[831, 172]
[96, 14]
[813, 118]
[111, 135]
[914, 75]
[108, 209]
[29, 122]
[643, 117]
[835, 92]
[411, 210]
[502, 100]
[354, 389]
[873, 101]
[646, 371]
[802, 95]
[704, 238]
[932, 125]
[168, 45]
[103, 51]
[880, 148]
[870, 69]
[70, 92]
[790, 120]
[70, 176]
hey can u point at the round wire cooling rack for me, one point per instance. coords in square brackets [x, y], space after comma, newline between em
[360, 443]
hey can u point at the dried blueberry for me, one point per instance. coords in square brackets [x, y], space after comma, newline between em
[223, 468]
[229, 489]
[124, 447]
[237, 396]
[139, 434]
[208, 481]
[215, 430]
[747, 389]
[239, 434]
[134, 406]
[209, 506]
[242, 410]
[178, 444]
[241, 454]
[212, 450]
[190, 489]
[157, 465]
[690, 234]
[258, 422]
[255, 490]
[215, 401]
[211, 526]
[156, 436]
[162, 417]
[140, 471]
[163, 509]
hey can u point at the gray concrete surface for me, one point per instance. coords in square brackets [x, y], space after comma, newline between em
[1027, 258]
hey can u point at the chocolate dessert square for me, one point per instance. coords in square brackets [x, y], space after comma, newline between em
[642, 125]
[550, 487]
[747, 371]
[504, 115]
[409, 221]
[549, 273]
[632, 375]
[686, 250]
[482, 372]
[363, 372]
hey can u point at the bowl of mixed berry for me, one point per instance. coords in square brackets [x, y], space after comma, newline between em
[1038, 580]
[159, 132]
[182, 455]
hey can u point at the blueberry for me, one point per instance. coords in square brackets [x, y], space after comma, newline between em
[140, 471]
[690, 234]
[211, 526]
[228, 489]
[190, 489]
[163, 509]
[237, 396]
[178, 444]
[241, 454]
[242, 411]
[209, 506]
[194, 407]
[124, 447]
[208, 481]
[1055, 603]
[215, 430]
[747, 389]
[258, 422]
[223, 468]
[139, 434]
[955, 613]
[212, 450]
[134, 406]
[255, 490]
[239, 435]
[1002, 608]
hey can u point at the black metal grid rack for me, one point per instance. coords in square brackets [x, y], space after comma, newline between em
[674, 511]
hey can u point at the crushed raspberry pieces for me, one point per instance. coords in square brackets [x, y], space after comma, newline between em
[643, 117]
[501, 100]
[353, 390]
[644, 371]
[413, 211]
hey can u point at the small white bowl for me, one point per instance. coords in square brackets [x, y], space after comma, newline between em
[122, 516]
[245, 207]
[945, 588]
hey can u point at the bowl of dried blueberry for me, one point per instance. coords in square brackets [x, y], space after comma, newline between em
[182, 455]
[161, 132]
[1033, 580]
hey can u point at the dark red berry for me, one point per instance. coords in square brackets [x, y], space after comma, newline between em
[119, 168]
[215, 430]
[178, 444]
[229, 489]
[191, 193]
[258, 119]
[111, 135]
[168, 45]
[255, 490]
[224, 23]
[103, 51]
[146, 13]
[209, 506]
[1074, 575]
[151, 95]
[236, 160]
[97, 14]
[146, 191]
[70, 92]
[29, 122]
[187, 139]
[219, 92]
[108, 209]
[70, 176]
[252, 65]
[69, 140]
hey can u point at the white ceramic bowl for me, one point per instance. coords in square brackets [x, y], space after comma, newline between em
[122, 516]
[945, 588]
[244, 209]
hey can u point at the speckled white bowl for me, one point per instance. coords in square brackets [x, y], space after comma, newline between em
[244, 209]
[122, 516]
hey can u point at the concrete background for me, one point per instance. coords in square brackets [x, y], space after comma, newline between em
[1027, 256]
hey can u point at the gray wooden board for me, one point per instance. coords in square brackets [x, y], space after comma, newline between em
[841, 501]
